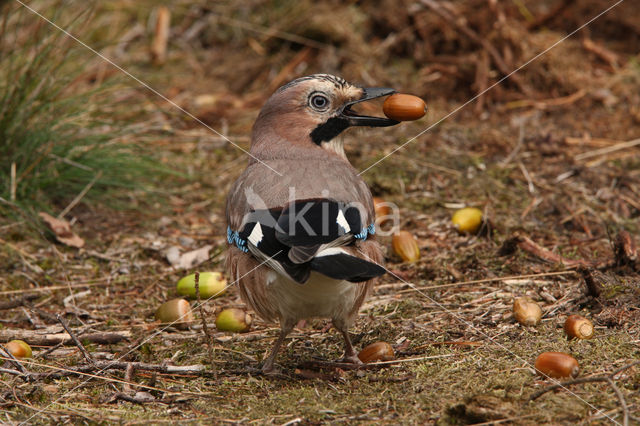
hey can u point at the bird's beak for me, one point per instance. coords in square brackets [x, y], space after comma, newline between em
[363, 120]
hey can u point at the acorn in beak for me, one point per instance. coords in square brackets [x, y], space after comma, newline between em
[354, 119]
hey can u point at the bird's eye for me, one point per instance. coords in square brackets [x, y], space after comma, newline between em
[319, 102]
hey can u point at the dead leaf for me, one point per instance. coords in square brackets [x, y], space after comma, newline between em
[189, 259]
[62, 230]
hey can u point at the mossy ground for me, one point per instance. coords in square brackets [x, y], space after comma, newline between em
[462, 358]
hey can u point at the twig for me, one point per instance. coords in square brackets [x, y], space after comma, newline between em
[47, 337]
[625, 249]
[546, 103]
[121, 396]
[623, 368]
[197, 369]
[487, 280]
[580, 380]
[128, 377]
[607, 378]
[51, 349]
[72, 297]
[607, 150]
[12, 372]
[13, 359]
[207, 335]
[623, 402]
[80, 196]
[12, 194]
[527, 176]
[20, 301]
[527, 244]
[473, 36]
[482, 80]
[367, 366]
[84, 352]
[602, 52]
[161, 36]
[553, 13]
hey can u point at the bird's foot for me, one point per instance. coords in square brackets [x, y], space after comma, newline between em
[350, 359]
[271, 369]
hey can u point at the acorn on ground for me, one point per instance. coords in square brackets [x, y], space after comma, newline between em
[19, 349]
[578, 327]
[405, 246]
[378, 351]
[557, 365]
[467, 220]
[211, 284]
[175, 312]
[233, 319]
[526, 311]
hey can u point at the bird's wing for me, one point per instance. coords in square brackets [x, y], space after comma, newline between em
[309, 235]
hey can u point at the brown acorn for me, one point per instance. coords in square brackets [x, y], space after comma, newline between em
[175, 312]
[557, 364]
[405, 246]
[578, 327]
[382, 210]
[378, 351]
[19, 349]
[401, 107]
[526, 311]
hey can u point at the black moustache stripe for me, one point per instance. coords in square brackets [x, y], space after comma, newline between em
[329, 130]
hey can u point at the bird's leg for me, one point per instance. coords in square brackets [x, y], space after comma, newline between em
[350, 354]
[285, 329]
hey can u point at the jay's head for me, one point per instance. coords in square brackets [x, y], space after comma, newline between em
[314, 110]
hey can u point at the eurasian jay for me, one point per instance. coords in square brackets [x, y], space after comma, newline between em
[300, 218]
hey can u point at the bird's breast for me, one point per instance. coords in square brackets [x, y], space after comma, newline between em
[320, 296]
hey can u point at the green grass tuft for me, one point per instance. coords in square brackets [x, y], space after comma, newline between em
[54, 142]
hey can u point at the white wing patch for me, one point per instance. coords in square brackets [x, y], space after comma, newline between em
[342, 221]
[331, 251]
[256, 235]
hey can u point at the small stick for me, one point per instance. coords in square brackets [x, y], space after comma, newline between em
[541, 392]
[84, 352]
[527, 244]
[624, 367]
[120, 396]
[607, 150]
[594, 288]
[625, 249]
[161, 36]
[45, 338]
[602, 52]
[473, 36]
[608, 378]
[207, 336]
[80, 196]
[623, 402]
[128, 377]
[51, 349]
[199, 370]
[13, 372]
[21, 301]
[12, 195]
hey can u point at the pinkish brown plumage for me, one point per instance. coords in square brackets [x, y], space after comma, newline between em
[300, 218]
